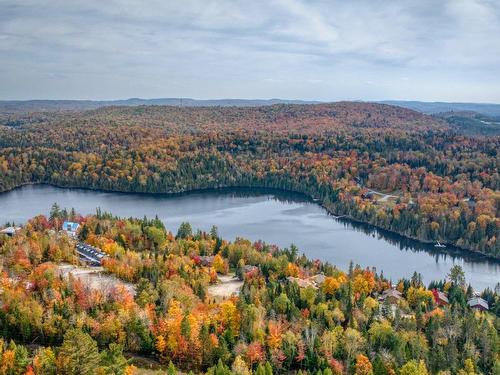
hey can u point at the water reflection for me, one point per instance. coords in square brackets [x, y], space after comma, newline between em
[401, 242]
[273, 216]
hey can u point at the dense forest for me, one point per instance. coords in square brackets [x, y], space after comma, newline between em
[472, 123]
[388, 166]
[291, 315]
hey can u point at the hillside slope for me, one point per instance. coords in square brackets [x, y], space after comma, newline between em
[430, 182]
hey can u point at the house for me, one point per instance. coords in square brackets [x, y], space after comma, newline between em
[318, 279]
[70, 228]
[250, 269]
[440, 298]
[314, 281]
[207, 260]
[10, 231]
[368, 195]
[478, 303]
[302, 283]
[391, 295]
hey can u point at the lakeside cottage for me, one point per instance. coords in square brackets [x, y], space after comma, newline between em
[391, 295]
[314, 281]
[206, 260]
[10, 231]
[478, 303]
[319, 279]
[440, 298]
[250, 269]
[302, 283]
[70, 228]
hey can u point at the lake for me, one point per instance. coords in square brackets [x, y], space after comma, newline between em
[276, 217]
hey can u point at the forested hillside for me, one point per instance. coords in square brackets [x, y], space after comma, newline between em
[20, 106]
[291, 315]
[388, 166]
[473, 123]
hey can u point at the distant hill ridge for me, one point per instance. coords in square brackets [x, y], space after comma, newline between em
[16, 106]
[489, 109]
[298, 118]
[78, 105]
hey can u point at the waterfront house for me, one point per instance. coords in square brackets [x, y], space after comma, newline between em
[10, 231]
[302, 283]
[250, 269]
[440, 298]
[207, 260]
[70, 228]
[478, 303]
[391, 295]
[318, 279]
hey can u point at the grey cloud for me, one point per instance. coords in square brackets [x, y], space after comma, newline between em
[324, 50]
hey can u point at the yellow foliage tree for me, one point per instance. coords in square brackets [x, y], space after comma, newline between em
[332, 284]
[219, 264]
[363, 365]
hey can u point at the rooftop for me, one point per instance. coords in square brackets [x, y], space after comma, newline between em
[70, 226]
[478, 302]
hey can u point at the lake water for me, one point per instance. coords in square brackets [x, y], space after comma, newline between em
[275, 217]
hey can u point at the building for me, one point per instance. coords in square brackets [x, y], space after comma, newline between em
[302, 283]
[89, 254]
[70, 228]
[207, 260]
[368, 195]
[478, 303]
[10, 231]
[318, 279]
[440, 298]
[391, 295]
[250, 269]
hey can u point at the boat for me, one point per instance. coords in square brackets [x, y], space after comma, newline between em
[439, 244]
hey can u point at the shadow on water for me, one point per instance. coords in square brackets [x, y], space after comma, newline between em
[275, 216]
[399, 241]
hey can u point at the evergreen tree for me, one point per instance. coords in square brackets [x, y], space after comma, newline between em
[214, 232]
[184, 231]
[78, 354]
[55, 212]
[171, 370]
[113, 361]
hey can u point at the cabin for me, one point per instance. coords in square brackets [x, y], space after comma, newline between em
[207, 260]
[391, 295]
[440, 298]
[250, 269]
[302, 283]
[10, 231]
[318, 279]
[368, 195]
[70, 228]
[478, 303]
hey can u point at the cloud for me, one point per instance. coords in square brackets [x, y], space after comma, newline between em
[307, 49]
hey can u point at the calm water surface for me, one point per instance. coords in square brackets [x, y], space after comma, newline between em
[275, 217]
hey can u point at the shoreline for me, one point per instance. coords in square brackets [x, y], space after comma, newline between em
[450, 248]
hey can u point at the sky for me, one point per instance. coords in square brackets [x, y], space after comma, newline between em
[329, 50]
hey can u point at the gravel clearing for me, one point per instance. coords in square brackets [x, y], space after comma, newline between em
[228, 286]
[95, 278]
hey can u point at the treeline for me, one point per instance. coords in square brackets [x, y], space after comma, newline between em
[292, 315]
[78, 354]
[444, 186]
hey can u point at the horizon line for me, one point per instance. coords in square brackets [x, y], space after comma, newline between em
[305, 101]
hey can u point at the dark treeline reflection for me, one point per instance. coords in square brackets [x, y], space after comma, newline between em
[273, 216]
